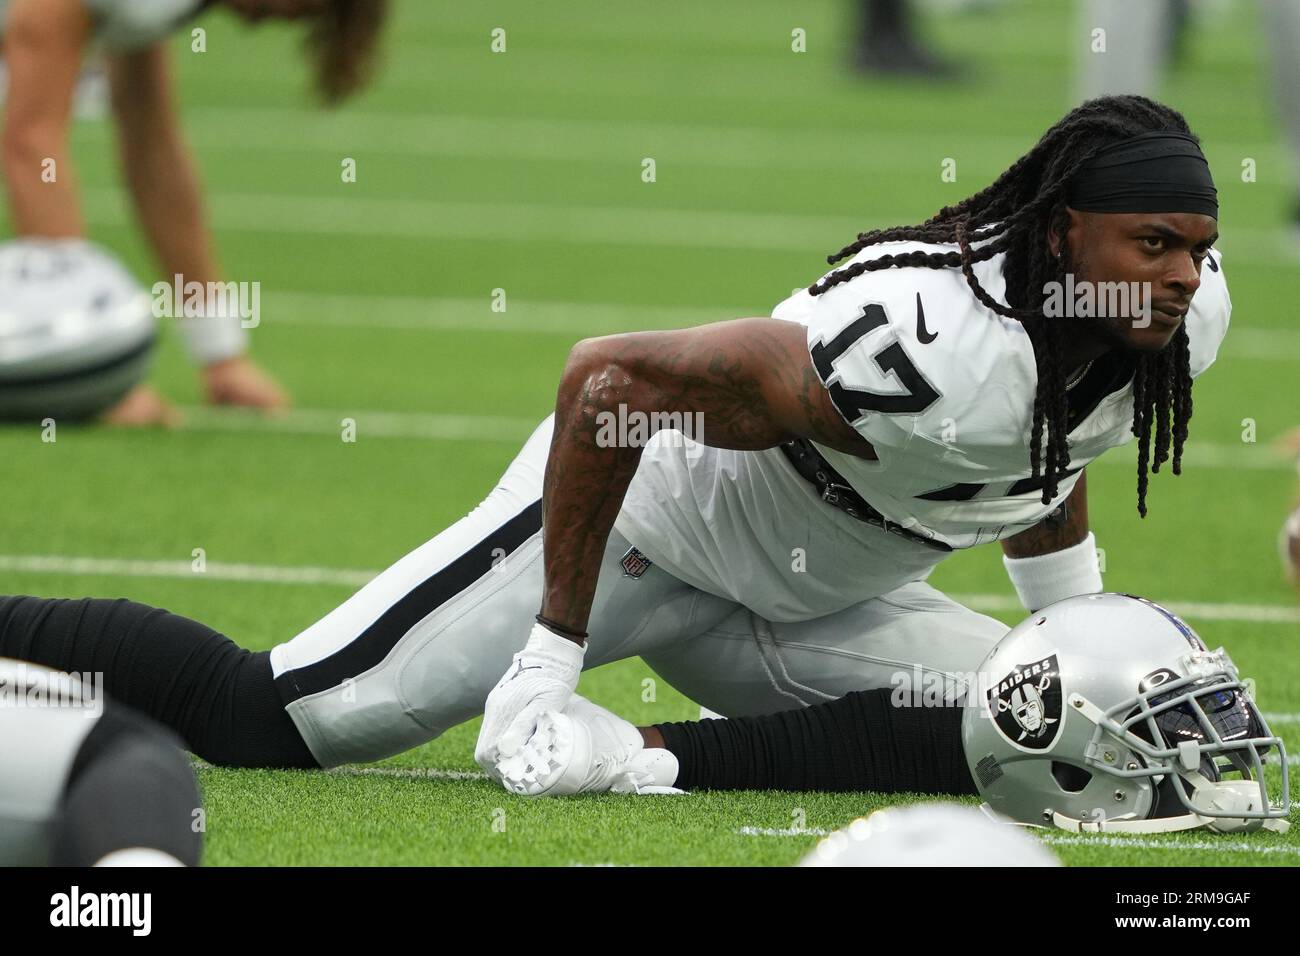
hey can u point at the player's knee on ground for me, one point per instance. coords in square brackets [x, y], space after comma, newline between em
[131, 788]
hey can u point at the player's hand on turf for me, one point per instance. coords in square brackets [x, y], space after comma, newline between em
[142, 407]
[240, 381]
[542, 676]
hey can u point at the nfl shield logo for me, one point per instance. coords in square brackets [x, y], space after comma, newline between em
[635, 563]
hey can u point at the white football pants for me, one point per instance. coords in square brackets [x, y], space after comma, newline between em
[417, 650]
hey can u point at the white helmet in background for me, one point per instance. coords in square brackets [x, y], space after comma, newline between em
[76, 329]
[1108, 713]
[929, 834]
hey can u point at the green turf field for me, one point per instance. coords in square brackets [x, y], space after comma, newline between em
[522, 171]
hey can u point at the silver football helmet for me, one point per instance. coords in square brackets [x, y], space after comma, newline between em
[1108, 713]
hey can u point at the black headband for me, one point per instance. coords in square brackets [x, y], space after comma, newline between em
[1153, 172]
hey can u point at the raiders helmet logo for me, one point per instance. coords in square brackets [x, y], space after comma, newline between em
[1026, 705]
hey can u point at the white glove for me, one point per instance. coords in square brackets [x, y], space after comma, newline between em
[543, 676]
[586, 749]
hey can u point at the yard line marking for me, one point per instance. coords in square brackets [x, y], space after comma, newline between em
[320, 421]
[448, 314]
[412, 218]
[252, 129]
[1249, 613]
[433, 314]
[1282, 718]
[415, 773]
[215, 570]
[412, 773]
[282, 574]
[785, 832]
[1230, 846]
[1144, 843]
[427, 426]
[635, 226]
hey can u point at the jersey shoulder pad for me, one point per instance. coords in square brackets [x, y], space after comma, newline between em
[1209, 314]
[897, 346]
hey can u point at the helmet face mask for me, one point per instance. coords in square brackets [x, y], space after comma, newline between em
[1181, 728]
[1106, 712]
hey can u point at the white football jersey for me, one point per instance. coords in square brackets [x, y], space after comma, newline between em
[131, 24]
[943, 389]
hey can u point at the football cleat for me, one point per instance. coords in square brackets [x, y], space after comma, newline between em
[586, 749]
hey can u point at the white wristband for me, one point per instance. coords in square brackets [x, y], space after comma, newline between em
[1047, 578]
[212, 338]
[553, 649]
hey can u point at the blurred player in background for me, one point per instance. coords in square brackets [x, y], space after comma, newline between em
[1288, 543]
[1142, 39]
[44, 45]
[85, 781]
[888, 44]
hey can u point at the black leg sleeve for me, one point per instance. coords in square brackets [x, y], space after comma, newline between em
[859, 742]
[220, 698]
[131, 785]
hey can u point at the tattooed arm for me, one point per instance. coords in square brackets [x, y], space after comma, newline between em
[751, 381]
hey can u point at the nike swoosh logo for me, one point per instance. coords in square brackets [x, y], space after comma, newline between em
[922, 333]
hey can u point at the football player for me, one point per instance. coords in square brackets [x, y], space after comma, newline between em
[1137, 727]
[913, 402]
[44, 42]
[87, 782]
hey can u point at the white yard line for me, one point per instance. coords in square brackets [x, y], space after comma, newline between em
[782, 832]
[405, 773]
[214, 570]
[427, 426]
[367, 424]
[1145, 843]
[471, 136]
[417, 313]
[634, 226]
[1141, 843]
[411, 773]
[445, 314]
[280, 574]
[1206, 611]
[429, 219]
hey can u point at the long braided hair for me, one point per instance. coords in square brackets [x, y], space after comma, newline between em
[1014, 215]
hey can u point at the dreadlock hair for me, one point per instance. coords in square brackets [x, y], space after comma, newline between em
[1015, 215]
